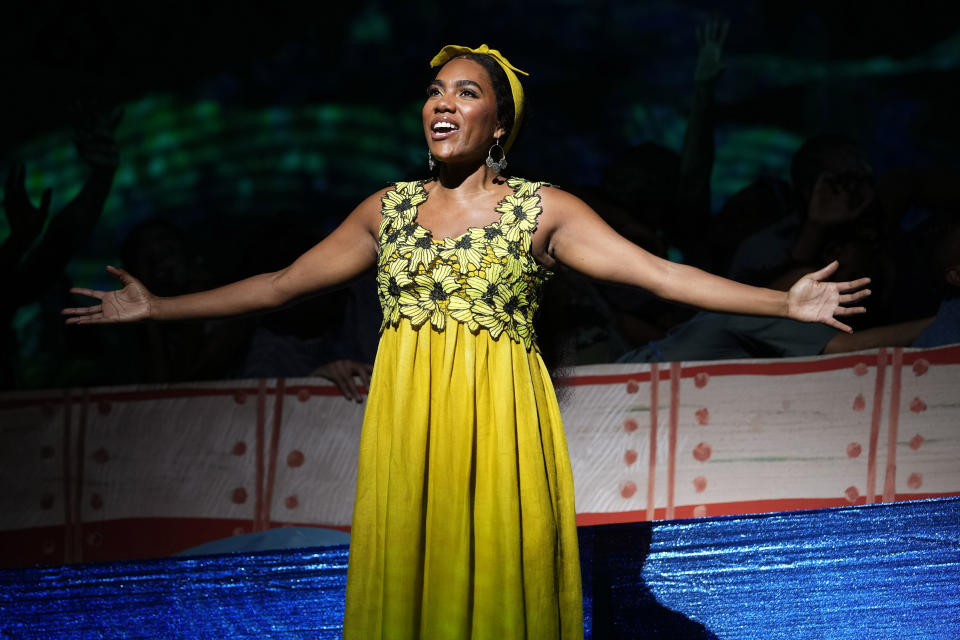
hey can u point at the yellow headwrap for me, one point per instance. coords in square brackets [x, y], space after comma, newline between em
[452, 51]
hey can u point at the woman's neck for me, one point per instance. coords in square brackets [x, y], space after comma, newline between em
[466, 177]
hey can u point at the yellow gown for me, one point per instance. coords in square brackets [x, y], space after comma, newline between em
[464, 523]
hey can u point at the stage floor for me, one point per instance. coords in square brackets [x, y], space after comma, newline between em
[888, 571]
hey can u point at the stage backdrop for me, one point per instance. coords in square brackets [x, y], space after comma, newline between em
[127, 472]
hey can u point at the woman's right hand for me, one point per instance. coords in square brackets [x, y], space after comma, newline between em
[131, 303]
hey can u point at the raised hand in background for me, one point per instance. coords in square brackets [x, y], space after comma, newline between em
[26, 220]
[710, 37]
[94, 137]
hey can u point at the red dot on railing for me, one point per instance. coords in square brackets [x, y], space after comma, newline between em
[920, 366]
[295, 458]
[702, 452]
[852, 494]
[699, 484]
[703, 416]
[859, 403]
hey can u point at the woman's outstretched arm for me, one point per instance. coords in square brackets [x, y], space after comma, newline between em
[343, 255]
[573, 234]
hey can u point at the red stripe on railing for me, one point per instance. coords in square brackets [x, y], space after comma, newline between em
[261, 428]
[273, 453]
[871, 491]
[78, 493]
[68, 505]
[675, 373]
[890, 479]
[654, 411]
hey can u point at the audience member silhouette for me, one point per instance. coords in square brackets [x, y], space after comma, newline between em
[32, 268]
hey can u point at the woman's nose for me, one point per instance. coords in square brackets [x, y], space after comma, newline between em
[443, 103]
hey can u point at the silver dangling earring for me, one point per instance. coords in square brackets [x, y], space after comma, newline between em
[499, 166]
[431, 163]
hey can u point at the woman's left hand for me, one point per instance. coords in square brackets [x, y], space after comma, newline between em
[812, 300]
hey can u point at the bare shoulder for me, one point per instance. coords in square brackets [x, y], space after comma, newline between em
[559, 204]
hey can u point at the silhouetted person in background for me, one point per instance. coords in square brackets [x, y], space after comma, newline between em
[159, 253]
[945, 329]
[833, 185]
[659, 200]
[32, 272]
[332, 335]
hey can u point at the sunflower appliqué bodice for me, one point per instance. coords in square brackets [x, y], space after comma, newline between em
[486, 278]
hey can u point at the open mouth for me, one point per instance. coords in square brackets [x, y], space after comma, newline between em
[443, 129]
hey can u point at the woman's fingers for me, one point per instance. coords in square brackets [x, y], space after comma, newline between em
[86, 319]
[849, 311]
[82, 311]
[824, 273]
[120, 274]
[836, 324]
[853, 284]
[853, 297]
[90, 293]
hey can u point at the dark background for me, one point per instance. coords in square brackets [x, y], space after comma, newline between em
[235, 114]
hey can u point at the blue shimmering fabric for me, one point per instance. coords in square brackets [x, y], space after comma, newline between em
[889, 571]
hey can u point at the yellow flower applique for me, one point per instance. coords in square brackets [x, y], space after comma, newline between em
[417, 245]
[485, 279]
[504, 311]
[409, 188]
[427, 299]
[400, 208]
[390, 236]
[466, 249]
[513, 256]
[390, 284]
[519, 215]
[477, 287]
[488, 237]
[523, 187]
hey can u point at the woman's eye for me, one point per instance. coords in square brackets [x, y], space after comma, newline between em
[468, 93]
[433, 91]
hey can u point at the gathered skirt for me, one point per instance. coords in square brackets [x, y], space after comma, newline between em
[464, 523]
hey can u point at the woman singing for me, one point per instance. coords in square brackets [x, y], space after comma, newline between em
[464, 523]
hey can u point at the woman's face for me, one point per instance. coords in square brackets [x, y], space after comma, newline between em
[460, 114]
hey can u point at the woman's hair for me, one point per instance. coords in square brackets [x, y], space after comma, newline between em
[501, 89]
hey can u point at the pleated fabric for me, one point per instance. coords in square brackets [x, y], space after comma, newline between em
[464, 523]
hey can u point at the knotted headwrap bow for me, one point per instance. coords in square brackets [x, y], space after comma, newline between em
[452, 51]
